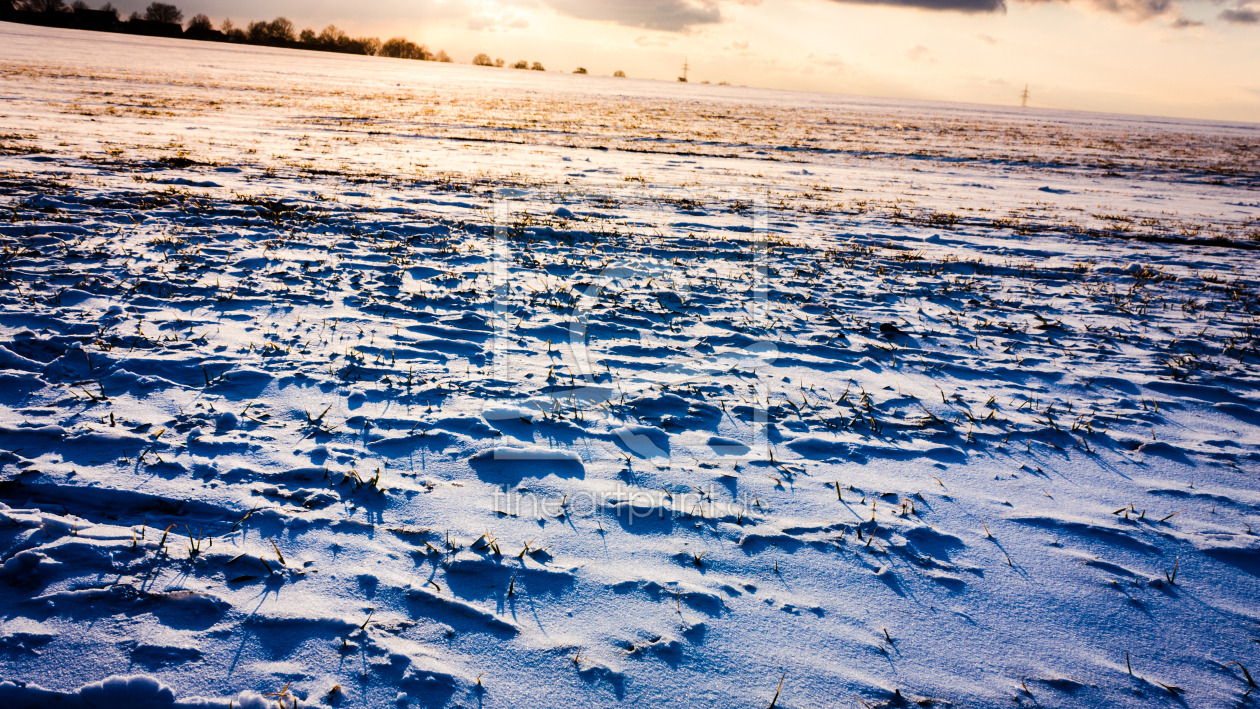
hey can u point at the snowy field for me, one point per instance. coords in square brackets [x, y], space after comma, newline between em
[361, 382]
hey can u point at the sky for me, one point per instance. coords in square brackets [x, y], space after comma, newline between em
[1185, 58]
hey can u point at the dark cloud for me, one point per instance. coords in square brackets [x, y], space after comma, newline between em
[662, 15]
[954, 5]
[1140, 9]
[316, 13]
[1241, 16]
[1136, 9]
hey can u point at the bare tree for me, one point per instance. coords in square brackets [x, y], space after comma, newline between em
[200, 23]
[522, 64]
[42, 5]
[257, 32]
[482, 60]
[333, 39]
[234, 33]
[330, 37]
[538, 67]
[619, 74]
[442, 56]
[281, 29]
[163, 12]
[499, 63]
[580, 70]
[277, 32]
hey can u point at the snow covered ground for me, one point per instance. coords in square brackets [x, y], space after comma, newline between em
[369, 382]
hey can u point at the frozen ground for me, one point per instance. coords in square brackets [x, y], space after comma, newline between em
[373, 382]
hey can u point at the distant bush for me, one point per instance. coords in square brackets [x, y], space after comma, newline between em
[401, 48]
[499, 62]
[580, 70]
[538, 67]
[482, 60]
[200, 23]
[522, 64]
[619, 74]
[163, 12]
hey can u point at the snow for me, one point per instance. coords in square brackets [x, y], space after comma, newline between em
[349, 381]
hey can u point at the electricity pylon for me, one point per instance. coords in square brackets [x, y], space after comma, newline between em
[1023, 97]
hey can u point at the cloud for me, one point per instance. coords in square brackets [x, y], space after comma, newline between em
[319, 13]
[991, 41]
[646, 41]
[737, 45]
[831, 62]
[1137, 9]
[920, 53]
[954, 5]
[662, 15]
[478, 23]
[1182, 23]
[826, 59]
[1241, 15]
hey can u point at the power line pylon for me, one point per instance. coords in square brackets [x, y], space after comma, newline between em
[685, 67]
[1023, 97]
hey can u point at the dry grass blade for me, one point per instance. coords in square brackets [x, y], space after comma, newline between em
[1246, 674]
[278, 554]
[775, 701]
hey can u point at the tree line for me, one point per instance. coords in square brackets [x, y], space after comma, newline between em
[164, 19]
[167, 20]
